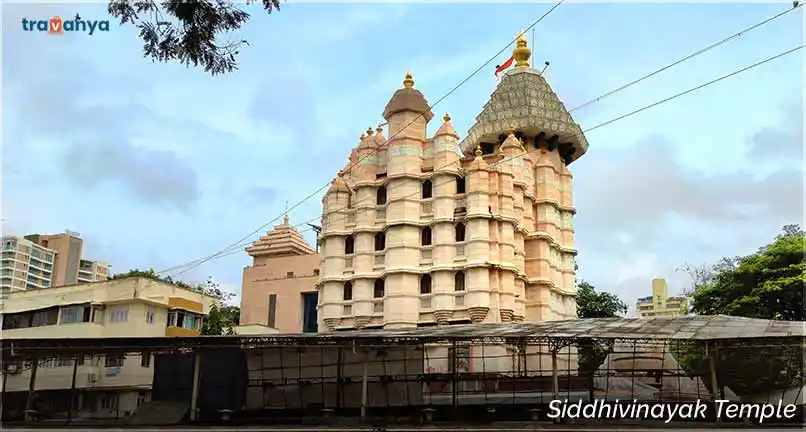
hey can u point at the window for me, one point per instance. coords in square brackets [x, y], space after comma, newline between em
[113, 360]
[380, 196]
[309, 313]
[425, 284]
[379, 289]
[459, 281]
[119, 314]
[427, 189]
[459, 231]
[272, 318]
[150, 315]
[380, 241]
[349, 200]
[349, 245]
[289, 275]
[72, 314]
[110, 401]
[460, 185]
[425, 236]
[145, 359]
[316, 272]
[347, 292]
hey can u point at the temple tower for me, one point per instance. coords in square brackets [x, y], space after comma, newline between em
[424, 231]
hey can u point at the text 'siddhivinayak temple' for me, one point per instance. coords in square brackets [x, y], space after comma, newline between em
[416, 233]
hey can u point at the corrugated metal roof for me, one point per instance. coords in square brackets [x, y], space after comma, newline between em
[698, 327]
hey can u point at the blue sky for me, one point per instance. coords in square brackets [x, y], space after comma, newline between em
[158, 164]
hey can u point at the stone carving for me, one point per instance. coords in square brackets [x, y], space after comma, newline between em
[361, 321]
[517, 318]
[506, 315]
[331, 323]
[441, 317]
[478, 314]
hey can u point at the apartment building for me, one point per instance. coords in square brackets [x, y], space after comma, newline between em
[279, 288]
[38, 261]
[659, 303]
[105, 386]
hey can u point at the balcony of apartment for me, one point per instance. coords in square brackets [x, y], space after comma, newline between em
[182, 323]
[83, 321]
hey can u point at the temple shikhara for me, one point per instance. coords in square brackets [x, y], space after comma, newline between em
[422, 230]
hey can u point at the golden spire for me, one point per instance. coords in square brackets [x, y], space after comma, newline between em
[446, 117]
[521, 53]
[478, 151]
[409, 81]
[370, 131]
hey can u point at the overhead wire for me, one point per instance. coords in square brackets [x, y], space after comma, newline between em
[235, 244]
[686, 58]
[621, 117]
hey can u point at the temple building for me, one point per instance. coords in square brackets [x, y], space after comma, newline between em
[279, 287]
[421, 231]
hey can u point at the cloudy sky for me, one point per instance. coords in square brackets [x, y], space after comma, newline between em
[157, 164]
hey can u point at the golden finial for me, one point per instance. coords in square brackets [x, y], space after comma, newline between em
[285, 215]
[521, 53]
[409, 81]
[446, 117]
[478, 151]
[379, 129]
[370, 131]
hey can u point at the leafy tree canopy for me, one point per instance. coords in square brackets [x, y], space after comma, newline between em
[222, 317]
[592, 304]
[189, 31]
[767, 284]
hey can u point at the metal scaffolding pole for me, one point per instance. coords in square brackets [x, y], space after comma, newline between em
[194, 393]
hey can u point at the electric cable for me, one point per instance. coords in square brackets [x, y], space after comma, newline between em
[621, 117]
[316, 192]
[686, 58]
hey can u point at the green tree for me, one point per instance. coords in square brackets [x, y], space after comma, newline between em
[767, 284]
[189, 31]
[222, 317]
[592, 304]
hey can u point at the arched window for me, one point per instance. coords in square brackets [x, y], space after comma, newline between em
[425, 236]
[459, 231]
[347, 291]
[380, 241]
[380, 289]
[425, 284]
[349, 245]
[380, 196]
[460, 185]
[427, 189]
[459, 281]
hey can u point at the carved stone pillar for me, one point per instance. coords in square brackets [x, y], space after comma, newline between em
[361, 321]
[331, 323]
[441, 317]
[506, 315]
[478, 314]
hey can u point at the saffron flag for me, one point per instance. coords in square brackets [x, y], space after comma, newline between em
[503, 67]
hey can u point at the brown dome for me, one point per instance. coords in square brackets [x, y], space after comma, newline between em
[408, 99]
